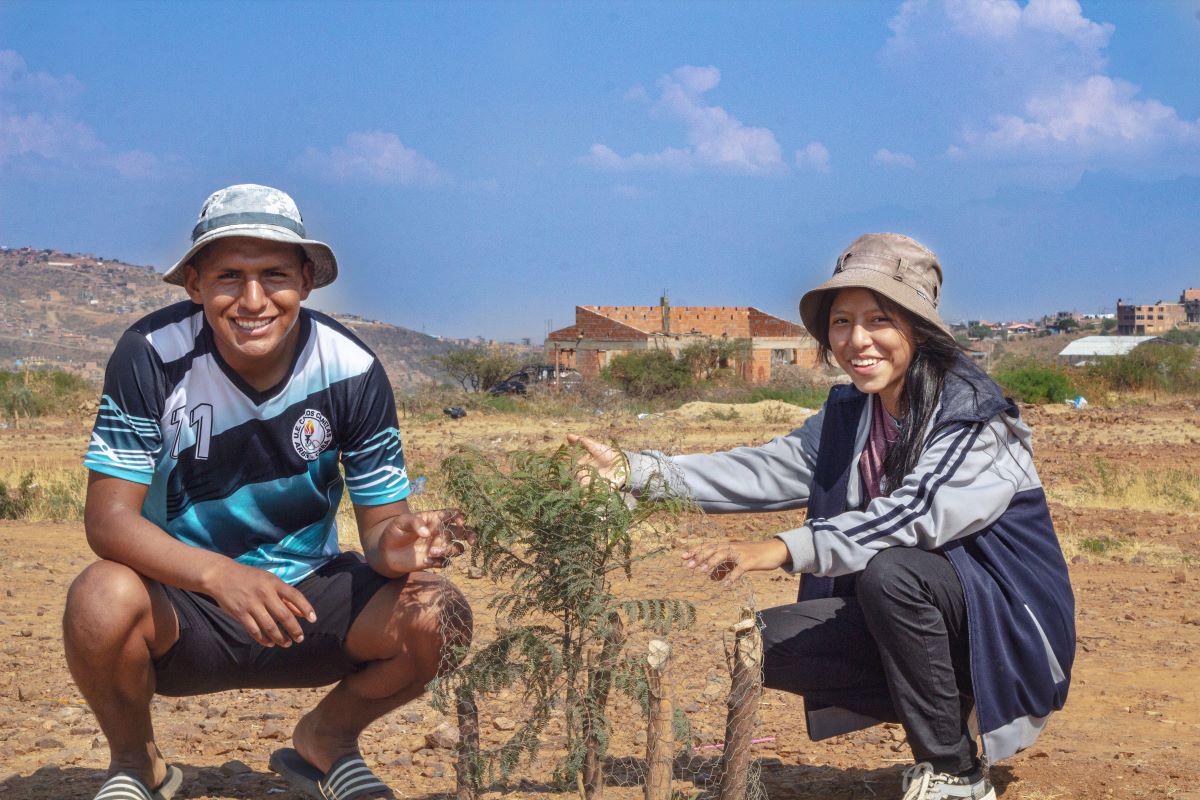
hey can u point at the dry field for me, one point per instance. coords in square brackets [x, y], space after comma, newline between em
[1124, 484]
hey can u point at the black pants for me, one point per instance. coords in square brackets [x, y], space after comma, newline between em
[897, 651]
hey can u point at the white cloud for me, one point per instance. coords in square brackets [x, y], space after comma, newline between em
[715, 139]
[814, 156]
[375, 156]
[887, 157]
[36, 125]
[1033, 84]
[1094, 117]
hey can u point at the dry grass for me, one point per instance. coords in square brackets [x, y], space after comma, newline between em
[1107, 485]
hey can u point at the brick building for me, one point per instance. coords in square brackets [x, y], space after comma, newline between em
[603, 332]
[1191, 304]
[1150, 320]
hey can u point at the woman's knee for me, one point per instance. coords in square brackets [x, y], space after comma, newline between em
[890, 574]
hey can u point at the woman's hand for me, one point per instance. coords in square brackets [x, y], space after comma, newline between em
[728, 561]
[608, 462]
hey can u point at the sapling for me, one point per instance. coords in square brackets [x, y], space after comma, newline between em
[554, 546]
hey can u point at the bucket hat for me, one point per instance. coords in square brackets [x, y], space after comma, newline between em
[259, 212]
[896, 266]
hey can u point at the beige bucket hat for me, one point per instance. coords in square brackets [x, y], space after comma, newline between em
[260, 212]
[896, 266]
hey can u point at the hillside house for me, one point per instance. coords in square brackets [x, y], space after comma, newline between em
[602, 332]
[1148, 320]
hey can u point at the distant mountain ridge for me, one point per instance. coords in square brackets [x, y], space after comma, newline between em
[68, 309]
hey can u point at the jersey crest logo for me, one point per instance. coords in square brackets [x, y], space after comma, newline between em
[311, 434]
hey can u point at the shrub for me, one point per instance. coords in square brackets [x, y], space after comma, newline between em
[1162, 367]
[15, 503]
[477, 369]
[37, 393]
[648, 373]
[1032, 383]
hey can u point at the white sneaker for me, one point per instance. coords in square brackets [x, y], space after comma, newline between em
[920, 782]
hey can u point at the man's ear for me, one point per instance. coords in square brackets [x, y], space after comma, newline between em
[191, 282]
[306, 279]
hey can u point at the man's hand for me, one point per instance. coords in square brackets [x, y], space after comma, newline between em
[265, 606]
[608, 462]
[728, 561]
[413, 541]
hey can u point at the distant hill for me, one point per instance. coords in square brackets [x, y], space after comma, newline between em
[69, 309]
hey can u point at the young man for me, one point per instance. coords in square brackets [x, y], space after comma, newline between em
[211, 500]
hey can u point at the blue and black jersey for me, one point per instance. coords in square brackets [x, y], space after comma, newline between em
[248, 474]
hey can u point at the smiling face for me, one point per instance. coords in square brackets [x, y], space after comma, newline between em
[251, 290]
[872, 344]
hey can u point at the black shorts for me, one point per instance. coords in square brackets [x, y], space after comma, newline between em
[214, 652]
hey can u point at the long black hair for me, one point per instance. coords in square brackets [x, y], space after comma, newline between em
[934, 354]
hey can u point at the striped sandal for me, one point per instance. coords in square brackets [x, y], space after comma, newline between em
[348, 779]
[124, 786]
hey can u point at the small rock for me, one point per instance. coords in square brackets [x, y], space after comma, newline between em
[49, 743]
[1181, 576]
[475, 572]
[412, 715]
[84, 730]
[434, 769]
[235, 767]
[274, 730]
[444, 736]
[100, 742]
[403, 760]
[26, 632]
[503, 724]
[214, 711]
[23, 693]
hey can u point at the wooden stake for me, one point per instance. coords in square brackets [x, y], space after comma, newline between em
[660, 736]
[744, 692]
[467, 765]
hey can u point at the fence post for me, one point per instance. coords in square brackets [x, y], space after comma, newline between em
[745, 666]
[660, 738]
[467, 766]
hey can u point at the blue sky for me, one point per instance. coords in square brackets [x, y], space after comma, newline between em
[481, 168]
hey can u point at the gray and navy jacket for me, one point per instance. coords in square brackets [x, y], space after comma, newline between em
[974, 495]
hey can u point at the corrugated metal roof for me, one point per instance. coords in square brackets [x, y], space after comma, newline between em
[1106, 345]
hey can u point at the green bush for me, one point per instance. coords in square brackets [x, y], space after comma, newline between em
[803, 396]
[1163, 367]
[1032, 383]
[648, 373]
[37, 393]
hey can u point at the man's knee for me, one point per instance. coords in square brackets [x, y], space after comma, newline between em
[447, 615]
[106, 600]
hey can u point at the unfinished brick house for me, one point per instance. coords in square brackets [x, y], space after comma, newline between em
[603, 332]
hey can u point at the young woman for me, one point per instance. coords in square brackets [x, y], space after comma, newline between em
[934, 592]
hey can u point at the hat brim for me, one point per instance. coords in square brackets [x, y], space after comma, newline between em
[899, 293]
[324, 263]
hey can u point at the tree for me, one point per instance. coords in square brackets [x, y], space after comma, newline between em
[1067, 324]
[705, 358]
[979, 332]
[554, 548]
[477, 369]
[648, 373]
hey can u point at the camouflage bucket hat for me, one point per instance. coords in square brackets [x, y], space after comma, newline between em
[259, 212]
[896, 266]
